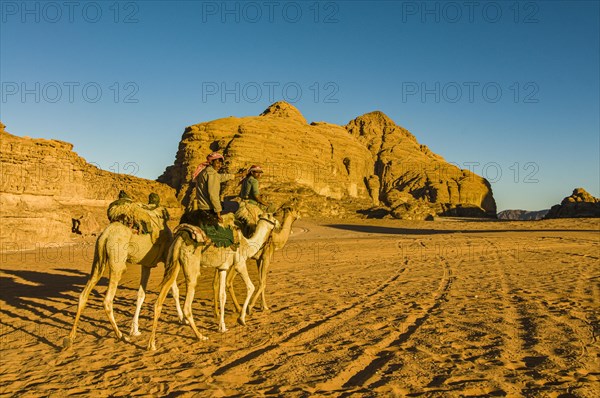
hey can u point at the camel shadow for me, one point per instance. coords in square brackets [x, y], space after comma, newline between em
[34, 301]
[42, 285]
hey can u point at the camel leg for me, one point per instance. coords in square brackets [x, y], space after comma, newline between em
[140, 300]
[263, 282]
[222, 299]
[169, 280]
[175, 294]
[229, 283]
[243, 270]
[259, 266]
[191, 278]
[157, 309]
[115, 276]
[259, 262]
[83, 297]
[216, 302]
[263, 269]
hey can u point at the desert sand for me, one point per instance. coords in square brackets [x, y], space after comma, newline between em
[358, 308]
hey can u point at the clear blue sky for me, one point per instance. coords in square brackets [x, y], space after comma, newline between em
[500, 87]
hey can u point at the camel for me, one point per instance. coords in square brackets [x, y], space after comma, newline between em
[263, 258]
[192, 256]
[118, 245]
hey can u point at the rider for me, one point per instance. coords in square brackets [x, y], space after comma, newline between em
[250, 191]
[123, 210]
[208, 188]
[250, 195]
[158, 214]
[154, 203]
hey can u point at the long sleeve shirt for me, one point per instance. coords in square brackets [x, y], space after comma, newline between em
[250, 189]
[208, 189]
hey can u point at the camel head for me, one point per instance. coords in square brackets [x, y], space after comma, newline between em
[291, 209]
[292, 212]
[269, 218]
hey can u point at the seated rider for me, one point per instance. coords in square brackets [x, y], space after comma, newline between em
[208, 189]
[157, 214]
[250, 191]
[122, 199]
[154, 203]
[118, 216]
[254, 203]
[129, 213]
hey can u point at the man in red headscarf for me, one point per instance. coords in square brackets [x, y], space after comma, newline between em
[208, 186]
[208, 195]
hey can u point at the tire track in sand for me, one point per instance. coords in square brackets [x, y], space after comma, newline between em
[378, 355]
[306, 333]
[537, 343]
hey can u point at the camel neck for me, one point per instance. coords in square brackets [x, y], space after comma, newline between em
[283, 234]
[257, 240]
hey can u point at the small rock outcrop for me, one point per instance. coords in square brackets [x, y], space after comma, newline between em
[45, 185]
[579, 205]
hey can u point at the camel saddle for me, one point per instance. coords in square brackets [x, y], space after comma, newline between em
[197, 234]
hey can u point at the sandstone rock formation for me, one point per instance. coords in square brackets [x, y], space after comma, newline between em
[44, 184]
[415, 182]
[580, 204]
[316, 161]
[522, 215]
[335, 169]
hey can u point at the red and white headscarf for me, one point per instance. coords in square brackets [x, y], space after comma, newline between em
[256, 168]
[202, 166]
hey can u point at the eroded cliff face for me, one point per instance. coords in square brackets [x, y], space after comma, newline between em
[414, 182]
[335, 169]
[298, 158]
[44, 184]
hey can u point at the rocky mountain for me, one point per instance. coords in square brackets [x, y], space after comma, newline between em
[415, 182]
[44, 184]
[371, 163]
[523, 215]
[580, 204]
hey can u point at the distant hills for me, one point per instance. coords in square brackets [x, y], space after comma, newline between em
[522, 214]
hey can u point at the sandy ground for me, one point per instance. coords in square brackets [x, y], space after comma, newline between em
[369, 308]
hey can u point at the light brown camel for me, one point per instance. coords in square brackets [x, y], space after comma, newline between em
[263, 257]
[192, 257]
[116, 246]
